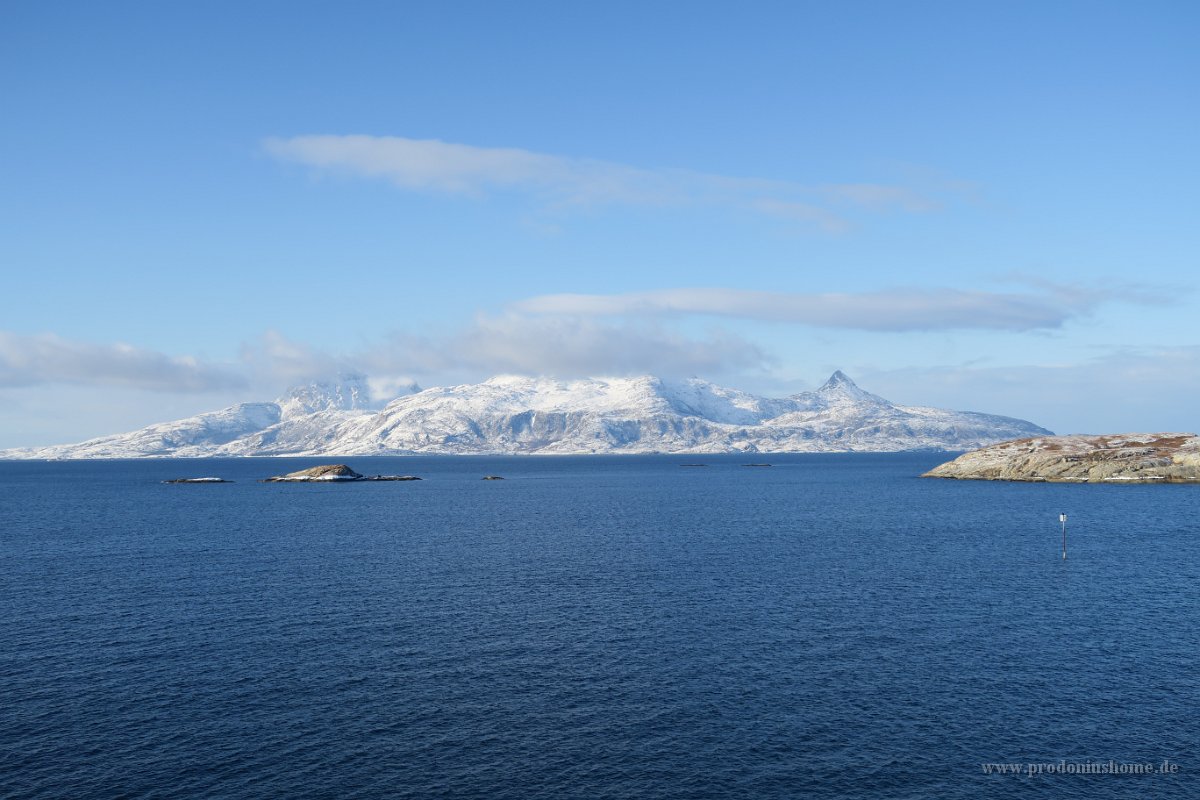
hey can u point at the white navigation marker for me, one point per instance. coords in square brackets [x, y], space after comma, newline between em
[1063, 519]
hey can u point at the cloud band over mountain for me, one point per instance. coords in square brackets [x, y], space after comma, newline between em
[894, 310]
[563, 335]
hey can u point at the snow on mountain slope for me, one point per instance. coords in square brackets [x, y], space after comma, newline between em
[347, 393]
[728, 406]
[309, 433]
[509, 414]
[195, 436]
[309, 419]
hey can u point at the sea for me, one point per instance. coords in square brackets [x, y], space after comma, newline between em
[594, 627]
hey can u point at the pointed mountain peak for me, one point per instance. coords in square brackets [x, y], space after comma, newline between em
[839, 389]
[838, 379]
[839, 384]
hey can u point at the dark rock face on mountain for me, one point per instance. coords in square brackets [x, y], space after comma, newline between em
[1113, 458]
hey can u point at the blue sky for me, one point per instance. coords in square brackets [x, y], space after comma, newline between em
[979, 206]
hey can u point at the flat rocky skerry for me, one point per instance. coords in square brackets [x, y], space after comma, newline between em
[1109, 458]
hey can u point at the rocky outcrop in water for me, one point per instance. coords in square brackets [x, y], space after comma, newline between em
[1112, 458]
[334, 473]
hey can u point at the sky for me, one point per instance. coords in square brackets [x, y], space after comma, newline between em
[980, 206]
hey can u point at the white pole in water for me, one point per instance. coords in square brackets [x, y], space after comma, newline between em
[1063, 519]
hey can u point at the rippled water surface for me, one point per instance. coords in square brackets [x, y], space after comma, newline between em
[591, 627]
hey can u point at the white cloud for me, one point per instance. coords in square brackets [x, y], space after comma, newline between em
[891, 310]
[432, 165]
[486, 346]
[278, 361]
[29, 360]
[559, 346]
[565, 335]
[563, 347]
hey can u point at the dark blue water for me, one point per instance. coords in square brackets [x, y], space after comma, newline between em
[592, 627]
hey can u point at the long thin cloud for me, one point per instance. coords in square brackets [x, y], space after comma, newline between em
[445, 167]
[28, 360]
[894, 310]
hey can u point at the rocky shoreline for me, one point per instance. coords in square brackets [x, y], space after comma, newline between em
[1112, 458]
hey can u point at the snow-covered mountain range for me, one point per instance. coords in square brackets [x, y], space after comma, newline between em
[509, 414]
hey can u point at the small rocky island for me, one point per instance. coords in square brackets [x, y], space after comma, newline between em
[197, 480]
[1112, 458]
[339, 473]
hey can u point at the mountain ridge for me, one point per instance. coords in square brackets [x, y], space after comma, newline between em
[509, 414]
